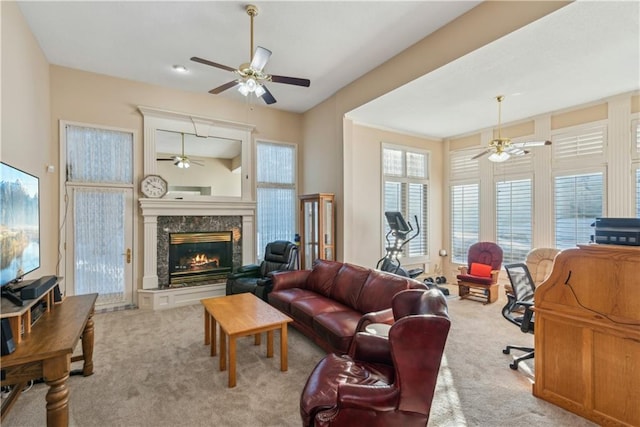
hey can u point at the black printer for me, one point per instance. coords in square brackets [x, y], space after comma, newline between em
[617, 231]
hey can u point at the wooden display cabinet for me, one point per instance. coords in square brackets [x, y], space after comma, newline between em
[317, 228]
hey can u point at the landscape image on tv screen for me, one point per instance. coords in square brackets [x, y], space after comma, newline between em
[19, 223]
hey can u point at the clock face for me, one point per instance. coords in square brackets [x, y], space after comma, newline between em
[153, 186]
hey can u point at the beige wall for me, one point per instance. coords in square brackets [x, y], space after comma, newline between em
[27, 142]
[323, 124]
[96, 99]
[363, 204]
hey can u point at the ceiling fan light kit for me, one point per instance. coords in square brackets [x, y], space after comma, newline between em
[501, 149]
[251, 75]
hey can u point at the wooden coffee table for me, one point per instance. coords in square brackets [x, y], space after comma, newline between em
[241, 315]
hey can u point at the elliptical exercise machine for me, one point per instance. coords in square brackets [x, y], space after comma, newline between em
[399, 229]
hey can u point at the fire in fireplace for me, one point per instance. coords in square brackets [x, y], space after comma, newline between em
[196, 257]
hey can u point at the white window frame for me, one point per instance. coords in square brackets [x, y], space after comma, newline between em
[404, 179]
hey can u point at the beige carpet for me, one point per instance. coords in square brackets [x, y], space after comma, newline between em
[152, 369]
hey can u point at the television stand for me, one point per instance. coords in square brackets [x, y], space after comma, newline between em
[12, 296]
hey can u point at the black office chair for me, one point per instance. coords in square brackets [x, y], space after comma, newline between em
[518, 308]
[280, 255]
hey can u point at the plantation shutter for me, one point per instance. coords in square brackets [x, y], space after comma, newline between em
[464, 173]
[580, 144]
[406, 190]
[578, 202]
[514, 219]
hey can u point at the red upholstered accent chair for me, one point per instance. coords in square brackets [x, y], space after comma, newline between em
[383, 380]
[479, 280]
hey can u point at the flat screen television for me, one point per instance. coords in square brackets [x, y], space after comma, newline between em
[19, 224]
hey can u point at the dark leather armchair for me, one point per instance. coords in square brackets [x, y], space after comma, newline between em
[280, 255]
[518, 309]
[479, 279]
[384, 380]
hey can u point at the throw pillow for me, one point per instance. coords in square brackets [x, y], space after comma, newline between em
[480, 270]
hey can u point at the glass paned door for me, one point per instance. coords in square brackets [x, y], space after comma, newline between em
[101, 234]
[98, 216]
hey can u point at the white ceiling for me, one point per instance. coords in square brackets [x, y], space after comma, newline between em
[583, 52]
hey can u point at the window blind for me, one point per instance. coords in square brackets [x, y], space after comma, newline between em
[465, 220]
[405, 190]
[579, 144]
[578, 202]
[514, 219]
[638, 192]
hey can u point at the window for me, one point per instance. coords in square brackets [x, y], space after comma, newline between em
[465, 203]
[578, 202]
[276, 193]
[465, 220]
[406, 184]
[638, 192]
[514, 219]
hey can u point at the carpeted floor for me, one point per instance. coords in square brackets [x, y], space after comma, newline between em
[152, 369]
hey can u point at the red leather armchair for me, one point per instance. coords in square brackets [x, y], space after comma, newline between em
[479, 279]
[383, 381]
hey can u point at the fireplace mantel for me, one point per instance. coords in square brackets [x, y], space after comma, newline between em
[148, 296]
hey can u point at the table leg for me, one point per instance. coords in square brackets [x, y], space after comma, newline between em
[214, 330]
[87, 346]
[270, 343]
[257, 339]
[56, 371]
[207, 327]
[223, 351]
[284, 361]
[232, 361]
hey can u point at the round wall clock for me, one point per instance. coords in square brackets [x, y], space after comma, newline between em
[153, 186]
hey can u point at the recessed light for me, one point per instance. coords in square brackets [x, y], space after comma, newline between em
[180, 69]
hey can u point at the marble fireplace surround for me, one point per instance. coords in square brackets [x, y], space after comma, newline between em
[155, 297]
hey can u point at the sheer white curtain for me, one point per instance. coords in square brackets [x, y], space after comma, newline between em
[276, 194]
[99, 182]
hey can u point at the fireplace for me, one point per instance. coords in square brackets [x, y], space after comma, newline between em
[198, 257]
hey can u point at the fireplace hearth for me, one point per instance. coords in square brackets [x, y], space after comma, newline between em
[198, 257]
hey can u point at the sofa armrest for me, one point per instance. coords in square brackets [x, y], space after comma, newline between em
[382, 316]
[251, 270]
[377, 397]
[289, 279]
[494, 276]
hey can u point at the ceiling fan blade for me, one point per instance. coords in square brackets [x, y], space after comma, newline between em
[211, 63]
[224, 87]
[196, 162]
[267, 97]
[516, 151]
[291, 80]
[165, 160]
[528, 144]
[487, 151]
[260, 58]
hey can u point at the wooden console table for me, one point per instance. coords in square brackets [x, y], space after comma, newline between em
[46, 352]
[587, 334]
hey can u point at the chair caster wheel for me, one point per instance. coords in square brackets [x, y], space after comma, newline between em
[428, 280]
[513, 366]
[506, 351]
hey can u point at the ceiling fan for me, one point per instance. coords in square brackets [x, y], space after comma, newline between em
[251, 75]
[182, 161]
[502, 149]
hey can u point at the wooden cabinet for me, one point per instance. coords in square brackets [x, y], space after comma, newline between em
[317, 228]
[587, 334]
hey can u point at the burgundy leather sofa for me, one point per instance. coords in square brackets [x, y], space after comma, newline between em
[331, 301]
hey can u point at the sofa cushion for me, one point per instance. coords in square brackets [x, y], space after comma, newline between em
[282, 299]
[322, 276]
[305, 309]
[379, 289]
[337, 328]
[348, 283]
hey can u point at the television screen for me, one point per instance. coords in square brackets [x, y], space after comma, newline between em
[19, 223]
